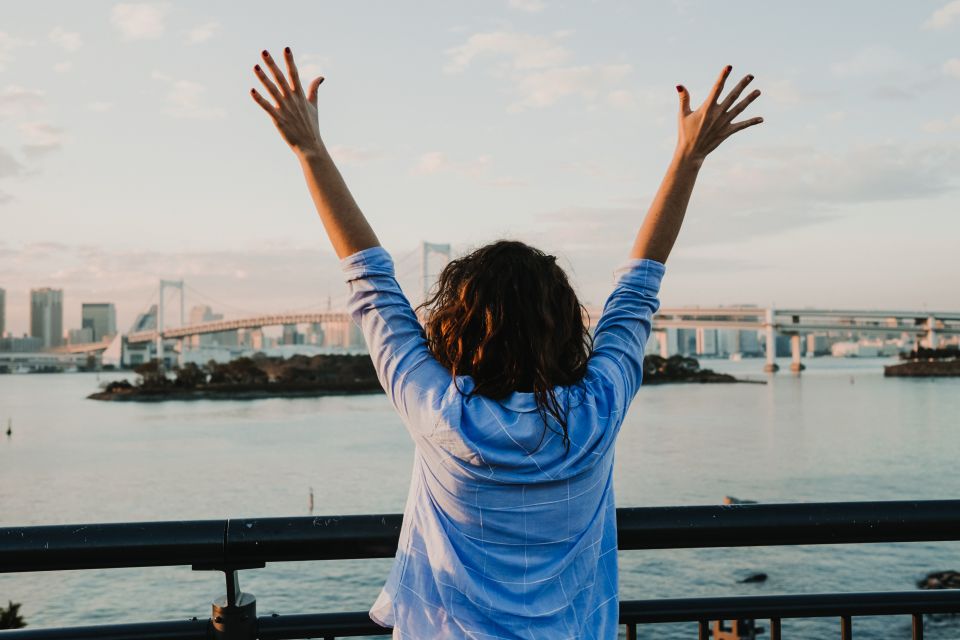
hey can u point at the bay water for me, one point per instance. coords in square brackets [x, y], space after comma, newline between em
[838, 432]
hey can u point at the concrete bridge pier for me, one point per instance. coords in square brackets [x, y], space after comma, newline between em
[771, 365]
[931, 332]
[663, 344]
[795, 352]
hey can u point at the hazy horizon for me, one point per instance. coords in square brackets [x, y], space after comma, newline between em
[131, 150]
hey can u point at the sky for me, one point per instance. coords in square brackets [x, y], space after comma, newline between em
[131, 151]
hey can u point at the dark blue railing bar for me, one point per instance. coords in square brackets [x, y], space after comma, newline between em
[252, 542]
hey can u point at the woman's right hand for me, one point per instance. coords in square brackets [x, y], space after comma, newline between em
[702, 131]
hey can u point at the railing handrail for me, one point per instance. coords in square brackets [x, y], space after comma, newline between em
[240, 543]
[666, 610]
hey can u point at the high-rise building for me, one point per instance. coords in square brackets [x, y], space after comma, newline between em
[100, 318]
[146, 321]
[201, 314]
[3, 312]
[46, 316]
[80, 336]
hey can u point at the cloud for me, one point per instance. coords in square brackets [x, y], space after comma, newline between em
[528, 6]
[944, 16]
[544, 88]
[15, 100]
[9, 166]
[521, 50]
[538, 68]
[99, 107]
[41, 139]
[312, 65]
[185, 99]
[355, 156]
[66, 40]
[871, 62]
[437, 162]
[952, 68]
[202, 33]
[8, 44]
[139, 21]
[773, 190]
[942, 125]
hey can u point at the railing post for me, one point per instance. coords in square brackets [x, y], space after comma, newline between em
[846, 628]
[774, 628]
[234, 615]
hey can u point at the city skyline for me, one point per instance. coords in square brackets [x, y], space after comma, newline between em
[130, 150]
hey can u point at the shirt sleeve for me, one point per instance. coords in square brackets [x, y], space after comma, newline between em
[414, 381]
[623, 330]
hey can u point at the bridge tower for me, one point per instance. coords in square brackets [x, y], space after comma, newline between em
[426, 248]
[164, 284]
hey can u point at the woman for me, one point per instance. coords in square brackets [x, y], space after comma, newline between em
[509, 529]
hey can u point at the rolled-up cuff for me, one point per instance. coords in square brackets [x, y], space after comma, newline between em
[374, 261]
[640, 273]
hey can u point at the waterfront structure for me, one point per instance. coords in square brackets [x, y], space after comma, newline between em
[100, 318]
[46, 316]
[3, 312]
[24, 344]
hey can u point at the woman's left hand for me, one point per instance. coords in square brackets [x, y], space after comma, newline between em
[294, 113]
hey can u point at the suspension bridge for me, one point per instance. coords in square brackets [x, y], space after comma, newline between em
[154, 332]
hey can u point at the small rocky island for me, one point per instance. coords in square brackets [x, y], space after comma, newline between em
[926, 363]
[302, 376]
[249, 378]
[660, 370]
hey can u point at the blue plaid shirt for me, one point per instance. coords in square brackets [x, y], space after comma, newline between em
[503, 536]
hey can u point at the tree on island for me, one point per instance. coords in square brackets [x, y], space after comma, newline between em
[151, 375]
[10, 617]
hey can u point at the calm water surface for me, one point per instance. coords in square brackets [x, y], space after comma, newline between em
[838, 432]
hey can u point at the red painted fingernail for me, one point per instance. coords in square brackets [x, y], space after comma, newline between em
[750, 77]
[265, 53]
[679, 88]
[321, 81]
[257, 67]
[286, 50]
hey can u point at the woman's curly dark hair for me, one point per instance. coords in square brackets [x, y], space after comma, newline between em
[507, 316]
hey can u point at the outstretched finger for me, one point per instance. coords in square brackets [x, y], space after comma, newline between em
[743, 104]
[263, 102]
[740, 126]
[292, 70]
[268, 83]
[735, 92]
[281, 79]
[684, 100]
[718, 86]
[312, 93]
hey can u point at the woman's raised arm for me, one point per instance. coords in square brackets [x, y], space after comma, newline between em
[700, 132]
[295, 115]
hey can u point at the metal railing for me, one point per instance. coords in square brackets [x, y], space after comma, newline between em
[236, 544]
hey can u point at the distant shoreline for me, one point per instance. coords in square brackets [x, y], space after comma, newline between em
[162, 395]
[300, 377]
